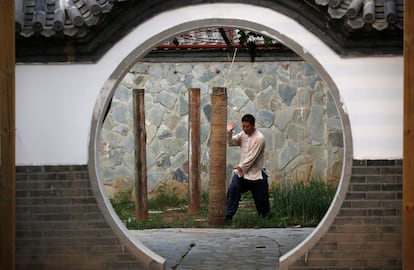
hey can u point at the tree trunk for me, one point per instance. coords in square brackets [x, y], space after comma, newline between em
[217, 183]
[141, 201]
[194, 185]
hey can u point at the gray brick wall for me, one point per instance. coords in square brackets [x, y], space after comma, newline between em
[367, 233]
[59, 224]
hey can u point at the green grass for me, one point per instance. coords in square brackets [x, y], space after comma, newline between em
[165, 211]
[296, 204]
[300, 203]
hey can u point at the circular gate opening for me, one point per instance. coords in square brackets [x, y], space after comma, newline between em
[138, 54]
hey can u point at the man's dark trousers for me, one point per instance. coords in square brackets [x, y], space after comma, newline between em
[259, 190]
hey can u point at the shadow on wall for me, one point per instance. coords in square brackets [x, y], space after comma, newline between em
[293, 107]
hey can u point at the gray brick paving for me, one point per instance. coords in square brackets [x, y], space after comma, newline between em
[222, 248]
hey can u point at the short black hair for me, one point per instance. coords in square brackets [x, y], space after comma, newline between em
[249, 118]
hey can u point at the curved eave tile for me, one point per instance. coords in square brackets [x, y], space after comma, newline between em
[379, 14]
[75, 17]
[50, 17]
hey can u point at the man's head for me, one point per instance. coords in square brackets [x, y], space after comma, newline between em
[248, 124]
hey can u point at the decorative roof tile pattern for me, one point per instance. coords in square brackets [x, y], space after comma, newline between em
[83, 30]
[380, 14]
[74, 18]
[55, 17]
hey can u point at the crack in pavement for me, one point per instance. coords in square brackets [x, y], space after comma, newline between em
[174, 267]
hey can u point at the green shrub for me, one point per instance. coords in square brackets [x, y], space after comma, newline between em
[301, 203]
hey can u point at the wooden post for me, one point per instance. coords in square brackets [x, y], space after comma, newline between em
[194, 184]
[7, 136]
[141, 201]
[408, 157]
[218, 149]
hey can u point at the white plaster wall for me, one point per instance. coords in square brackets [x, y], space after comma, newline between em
[54, 103]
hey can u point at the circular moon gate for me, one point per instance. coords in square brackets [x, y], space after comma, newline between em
[138, 53]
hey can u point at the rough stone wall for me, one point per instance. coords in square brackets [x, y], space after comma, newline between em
[293, 107]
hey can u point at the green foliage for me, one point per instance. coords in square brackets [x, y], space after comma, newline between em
[291, 205]
[165, 200]
[248, 39]
[302, 203]
[158, 221]
[123, 206]
[250, 219]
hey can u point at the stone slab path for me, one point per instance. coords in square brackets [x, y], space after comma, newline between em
[222, 248]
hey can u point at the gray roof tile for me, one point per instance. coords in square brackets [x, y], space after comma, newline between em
[72, 18]
[50, 17]
[83, 30]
